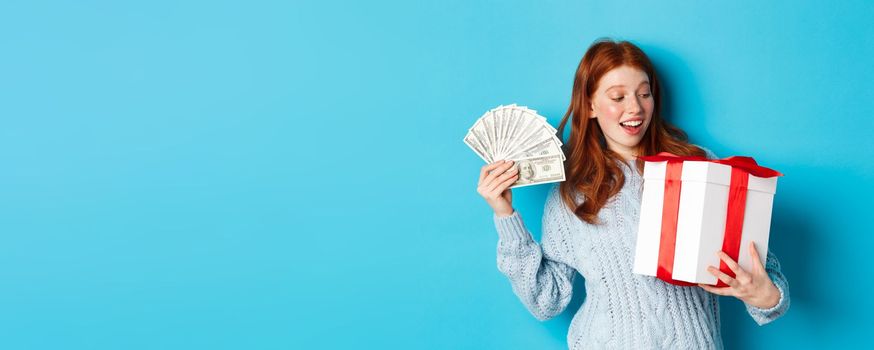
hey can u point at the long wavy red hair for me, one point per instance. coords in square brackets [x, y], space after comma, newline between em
[591, 168]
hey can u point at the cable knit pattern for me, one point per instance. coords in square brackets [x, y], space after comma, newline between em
[622, 310]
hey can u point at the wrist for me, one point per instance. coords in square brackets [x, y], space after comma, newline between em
[504, 213]
[771, 299]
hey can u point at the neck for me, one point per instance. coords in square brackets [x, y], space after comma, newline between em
[626, 154]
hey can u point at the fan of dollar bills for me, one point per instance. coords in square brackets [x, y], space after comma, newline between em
[518, 133]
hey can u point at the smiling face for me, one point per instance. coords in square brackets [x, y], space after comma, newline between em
[623, 104]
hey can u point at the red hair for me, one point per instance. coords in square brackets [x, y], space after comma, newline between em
[591, 167]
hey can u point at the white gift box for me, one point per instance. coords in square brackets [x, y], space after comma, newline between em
[700, 215]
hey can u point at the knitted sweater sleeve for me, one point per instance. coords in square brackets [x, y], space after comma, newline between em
[772, 267]
[539, 273]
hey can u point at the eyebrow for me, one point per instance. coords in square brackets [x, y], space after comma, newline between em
[641, 84]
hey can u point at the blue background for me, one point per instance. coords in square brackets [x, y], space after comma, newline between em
[276, 175]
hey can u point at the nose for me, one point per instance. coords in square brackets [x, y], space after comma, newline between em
[634, 106]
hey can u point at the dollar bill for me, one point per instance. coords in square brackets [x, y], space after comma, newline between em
[539, 170]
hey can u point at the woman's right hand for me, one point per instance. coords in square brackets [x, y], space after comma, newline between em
[494, 180]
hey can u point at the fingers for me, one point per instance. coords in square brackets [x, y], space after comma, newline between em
[495, 178]
[739, 273]
[740, 285]
[715, 290]
[730, 281]
[495, 172]
[729, 261]
[489, 167]
[757, 262]
[506, 179]
[511, 175]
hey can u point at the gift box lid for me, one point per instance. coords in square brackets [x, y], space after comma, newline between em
[709, 172]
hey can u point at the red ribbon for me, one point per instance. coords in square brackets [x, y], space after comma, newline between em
[741, 168]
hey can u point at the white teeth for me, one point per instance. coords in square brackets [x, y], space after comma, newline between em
[632, 123]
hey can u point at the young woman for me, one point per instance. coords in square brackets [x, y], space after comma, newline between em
[590, 222]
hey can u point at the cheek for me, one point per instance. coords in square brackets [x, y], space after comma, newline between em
[649, 104]
[612, 111]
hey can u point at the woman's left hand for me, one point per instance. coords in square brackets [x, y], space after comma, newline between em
[752, 287]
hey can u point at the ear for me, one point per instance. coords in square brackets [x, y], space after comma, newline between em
[592, 109]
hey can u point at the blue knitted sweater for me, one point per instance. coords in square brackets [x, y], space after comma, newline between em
[622, 310]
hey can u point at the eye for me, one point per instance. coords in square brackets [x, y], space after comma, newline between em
[645, 95]
[617, 99]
